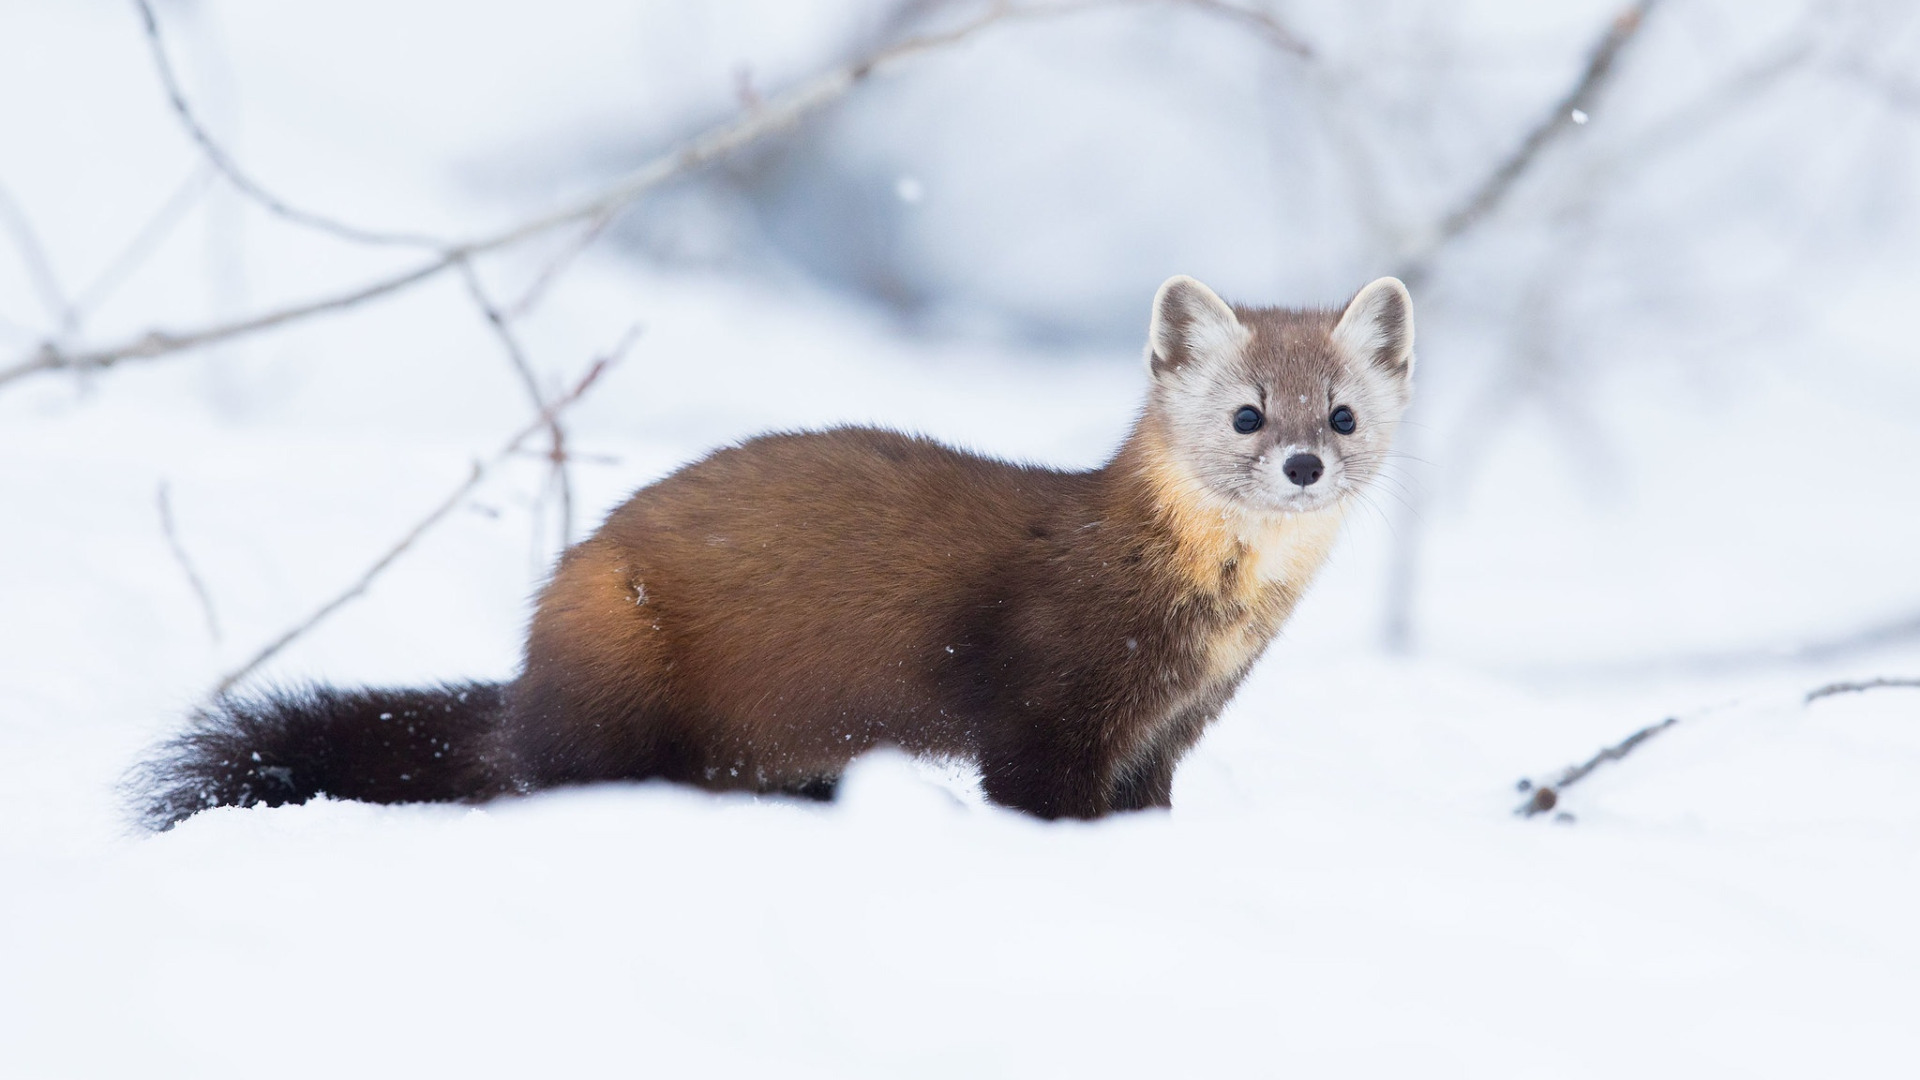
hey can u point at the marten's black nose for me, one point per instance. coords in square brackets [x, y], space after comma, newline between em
[1303, 469]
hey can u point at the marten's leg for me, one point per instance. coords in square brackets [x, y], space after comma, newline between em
[1147, 781]
[1148, 784]
[1051, 771]
[815, 788]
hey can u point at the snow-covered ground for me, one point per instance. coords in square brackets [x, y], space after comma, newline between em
[1342, 889]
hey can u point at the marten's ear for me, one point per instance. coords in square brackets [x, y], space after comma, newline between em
[1190, 323]
[1377, 327]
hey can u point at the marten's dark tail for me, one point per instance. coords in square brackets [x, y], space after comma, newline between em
[287, 746]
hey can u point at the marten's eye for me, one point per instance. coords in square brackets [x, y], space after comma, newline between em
[1342, 420]
[1248, 420]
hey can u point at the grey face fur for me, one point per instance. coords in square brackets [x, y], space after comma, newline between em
[1296, 367]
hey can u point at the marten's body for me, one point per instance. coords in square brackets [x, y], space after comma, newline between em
[759, 618]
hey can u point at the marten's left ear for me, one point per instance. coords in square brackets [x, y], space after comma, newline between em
[1190, 324]
[1377, 327]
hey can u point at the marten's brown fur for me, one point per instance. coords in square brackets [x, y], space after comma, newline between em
[759, 618]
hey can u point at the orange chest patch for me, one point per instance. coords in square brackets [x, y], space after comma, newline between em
[1252, 569]
[1231, 648]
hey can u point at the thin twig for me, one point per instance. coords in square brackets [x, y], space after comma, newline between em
[186, 564]
[39, 268]
[517, 355]
[776, 113]
[1530, 363]
[557, 265]
[1571, 110]
[1860, 686]
[1263, 23]
[145, 241]
[155, 343]
[1738, 92]
[434, 517]
[1547, 796]
[228, 168]
[1544, 797]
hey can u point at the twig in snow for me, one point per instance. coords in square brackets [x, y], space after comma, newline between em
[1545, 797]
[186, 564]
[228, 168]
[434, 517]
[1860, 686]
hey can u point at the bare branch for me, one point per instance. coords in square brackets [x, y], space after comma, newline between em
[155, 343]
[517, 355]
[1530, 366]
[1680, 127]
[1860, 687]
[1570, 111]
[145, 241]
[434, 517]
[186, 564]
[228, 168]
[1741, 90]
[1263, 23]
[550, 273]
[776, 113]
[33, 256]
[779, 113]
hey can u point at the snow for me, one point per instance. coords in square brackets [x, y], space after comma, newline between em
[1343, 888]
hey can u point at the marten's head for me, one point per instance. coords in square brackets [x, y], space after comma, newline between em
[1271, 410]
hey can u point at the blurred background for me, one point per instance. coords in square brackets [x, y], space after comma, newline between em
[286, 290]
[1666, 386]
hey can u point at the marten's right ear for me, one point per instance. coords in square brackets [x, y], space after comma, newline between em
[1190, 323]
[1377, 327]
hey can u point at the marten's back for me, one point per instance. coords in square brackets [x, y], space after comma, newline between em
[805, 592]
[818, 514]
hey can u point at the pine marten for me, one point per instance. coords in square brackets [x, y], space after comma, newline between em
[760, 618]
